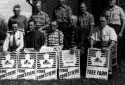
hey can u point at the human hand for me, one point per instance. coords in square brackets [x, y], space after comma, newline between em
[120, 34]
[72, 50]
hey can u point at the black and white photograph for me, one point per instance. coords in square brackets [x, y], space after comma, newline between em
[62, 42]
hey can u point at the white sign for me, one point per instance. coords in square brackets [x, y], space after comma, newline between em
[8, 68]
[26, 66]
[46, 66]
[69, 65]
[97, 64]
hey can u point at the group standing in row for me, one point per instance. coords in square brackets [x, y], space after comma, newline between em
[66, 29]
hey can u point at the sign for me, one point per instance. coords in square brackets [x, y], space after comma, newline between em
[97, 63]
[46, 49]
[69, 65]
[26, 66]
[46, 66]
[8, 66]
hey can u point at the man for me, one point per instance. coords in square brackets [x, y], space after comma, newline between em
[77, 41]
[14, 39]
[40, 18]
[86, 22]
[34, 38]
[62, 15]
[104, 38]
[54, 36]
[75, 37]
[20, 19]
[116, 18]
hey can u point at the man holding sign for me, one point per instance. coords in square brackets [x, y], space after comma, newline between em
[104, 37]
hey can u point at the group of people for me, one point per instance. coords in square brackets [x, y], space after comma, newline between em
[66, 29]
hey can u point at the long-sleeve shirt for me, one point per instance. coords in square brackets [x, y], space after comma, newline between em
[35, 39]
[18, 42]
[55, 38]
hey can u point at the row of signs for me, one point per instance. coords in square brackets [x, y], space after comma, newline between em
[40, 66]
[53, 65]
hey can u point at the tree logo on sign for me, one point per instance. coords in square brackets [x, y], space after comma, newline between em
[98, 59]
[8, 63]
[46, 61]
[27, 62]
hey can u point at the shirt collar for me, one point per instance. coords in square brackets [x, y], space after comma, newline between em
[85, 14]
[105, 27]
[114, 7]
[63, 6]
[40, 13]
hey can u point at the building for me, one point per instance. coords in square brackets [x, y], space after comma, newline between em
[96, 7]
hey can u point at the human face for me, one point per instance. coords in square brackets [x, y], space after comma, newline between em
[16, 11]
[62, 2]
[83, 7]
[73, 21]
[31, 26]
[38, 6]
[14, 27]
[112, 2]
[54, 26]
[103, 22]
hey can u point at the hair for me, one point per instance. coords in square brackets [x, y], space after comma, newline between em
[84, 4]
[74, 17]
[16, 6]
[54, 22]
[103, 16]
[15, 23]
[31, 21]
[38, 2]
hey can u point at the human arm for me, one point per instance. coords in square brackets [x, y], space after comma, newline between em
[92, 23]
[9, 24]
[123, 23]
[113, 38]
[21, 43]
[47, 23]
[91, 43]
[61, 38]
[6, 43]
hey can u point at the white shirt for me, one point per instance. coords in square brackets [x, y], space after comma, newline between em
[108, 34]
[18, 38]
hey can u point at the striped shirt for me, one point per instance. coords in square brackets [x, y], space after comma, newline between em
[55, 38]
[41, 19]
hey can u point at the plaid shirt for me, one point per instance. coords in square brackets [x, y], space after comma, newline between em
[86, 20]
[55, 38]
[114, 15]
[41, 19]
